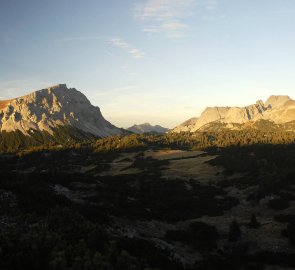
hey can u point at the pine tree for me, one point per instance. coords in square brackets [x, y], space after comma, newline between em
[254, 224]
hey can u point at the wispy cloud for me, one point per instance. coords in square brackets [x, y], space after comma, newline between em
[134, 52]
[164, 16]
[169, 16]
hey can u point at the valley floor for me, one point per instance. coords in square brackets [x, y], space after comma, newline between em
[194, 208]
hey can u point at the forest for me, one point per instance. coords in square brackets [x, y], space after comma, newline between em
[62, 208]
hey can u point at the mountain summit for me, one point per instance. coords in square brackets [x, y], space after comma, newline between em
[53, 107]
[147, 128]
[277, 109]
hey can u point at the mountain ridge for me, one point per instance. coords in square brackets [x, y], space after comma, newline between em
[278, 109]
[49, 108]
[147, 128]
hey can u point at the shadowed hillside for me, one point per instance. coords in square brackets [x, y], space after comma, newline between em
[150, 202]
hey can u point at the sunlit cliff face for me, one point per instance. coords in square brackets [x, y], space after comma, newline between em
[55, 106]
[278, 109]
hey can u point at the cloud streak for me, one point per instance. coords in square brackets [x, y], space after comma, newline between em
[164, 16]
[134, 52]
[169, 16]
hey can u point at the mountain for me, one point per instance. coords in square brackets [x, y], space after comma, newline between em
[276, 109]
[186, 125]
[147, 128]
[52, 108]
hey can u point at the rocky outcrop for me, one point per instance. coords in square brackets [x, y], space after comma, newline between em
[53, 107]
[147, 128]
[186, 126]
[279, 109]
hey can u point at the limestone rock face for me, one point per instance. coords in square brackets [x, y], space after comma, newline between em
[276, 101]
[52, 107]
[279, 109]
[186, 125]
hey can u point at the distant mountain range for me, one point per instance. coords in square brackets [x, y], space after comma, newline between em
[147, 128]
[277, 111]
[58, 114]
[51, 108]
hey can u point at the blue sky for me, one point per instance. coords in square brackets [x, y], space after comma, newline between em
[158, 61]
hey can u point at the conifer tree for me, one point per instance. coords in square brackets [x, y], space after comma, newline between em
[254, 224]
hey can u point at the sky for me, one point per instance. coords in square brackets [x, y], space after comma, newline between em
[157, 61]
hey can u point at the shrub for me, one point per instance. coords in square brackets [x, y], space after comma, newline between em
[254, 224]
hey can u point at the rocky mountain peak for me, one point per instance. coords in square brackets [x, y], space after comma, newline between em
[277, 108]
[259, 103]
[276, 101]
[52, 107]
[147, 128]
